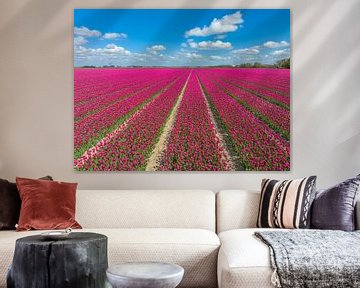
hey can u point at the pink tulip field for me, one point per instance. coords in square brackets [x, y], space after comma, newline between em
[182, 119]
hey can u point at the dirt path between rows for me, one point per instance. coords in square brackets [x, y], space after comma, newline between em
[157, 153]
[225, 155]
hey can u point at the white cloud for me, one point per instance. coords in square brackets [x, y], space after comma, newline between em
[273, 44]
[112, 54]
[214, 45]
[184, 45]
[219, 58]
[155, 49]
[114, 49]
[193, 55]
[114, 35]
[191, 43]
[79, 40]
[81, 50]
[283, 52]
[247, 51]
[107, 50]
[86, 32]
[218, 44]
[228, 23]
[138, 55]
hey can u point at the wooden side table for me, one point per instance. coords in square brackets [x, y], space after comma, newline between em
[78, 261]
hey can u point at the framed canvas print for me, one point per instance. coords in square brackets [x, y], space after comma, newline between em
[182, 89]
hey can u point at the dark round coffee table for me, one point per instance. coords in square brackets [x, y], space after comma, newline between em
[145, 275]
[78, 261]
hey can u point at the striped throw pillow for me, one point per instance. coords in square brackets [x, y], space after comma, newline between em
[286, 204]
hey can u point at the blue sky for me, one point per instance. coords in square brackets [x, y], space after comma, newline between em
[180, 37]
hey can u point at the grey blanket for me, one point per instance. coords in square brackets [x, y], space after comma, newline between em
[314, 258]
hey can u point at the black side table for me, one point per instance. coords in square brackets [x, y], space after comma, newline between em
[78, 261]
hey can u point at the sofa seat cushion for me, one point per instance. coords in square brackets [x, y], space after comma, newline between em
[244, 261]
[194, 249]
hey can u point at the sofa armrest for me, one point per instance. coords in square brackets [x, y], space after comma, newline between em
[357, 215]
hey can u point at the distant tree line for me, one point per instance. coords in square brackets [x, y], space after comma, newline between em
[282, 64]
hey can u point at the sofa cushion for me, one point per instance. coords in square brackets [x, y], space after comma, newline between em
[46, 204]
[146, 209]
[334, 208]
[244, 261]
[236, 209]
[194, 249]
[10, 204]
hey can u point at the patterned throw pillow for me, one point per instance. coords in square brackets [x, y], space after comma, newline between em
[286, 204]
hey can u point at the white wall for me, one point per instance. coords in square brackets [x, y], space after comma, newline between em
[36, 90]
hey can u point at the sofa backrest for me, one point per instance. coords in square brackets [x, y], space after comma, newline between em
[239, 209]
[236, 209]
[146, 209]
